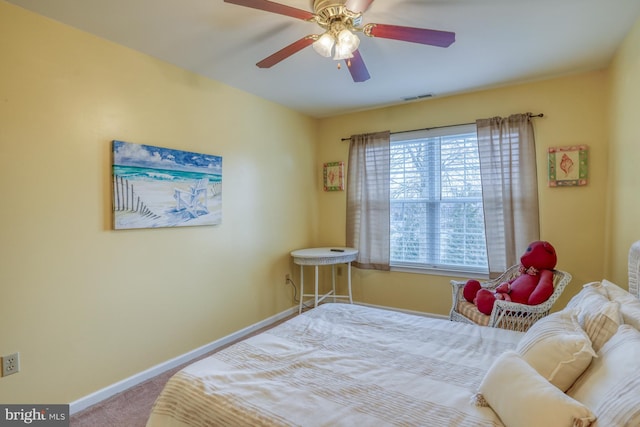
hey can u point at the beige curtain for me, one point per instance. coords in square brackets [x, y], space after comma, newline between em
[509, 188]
[368, 200]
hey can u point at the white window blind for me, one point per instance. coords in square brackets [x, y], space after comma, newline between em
[437, 217]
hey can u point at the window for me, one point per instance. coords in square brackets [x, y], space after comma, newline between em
[437, 217]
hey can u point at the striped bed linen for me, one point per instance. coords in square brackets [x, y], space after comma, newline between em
[341, 365]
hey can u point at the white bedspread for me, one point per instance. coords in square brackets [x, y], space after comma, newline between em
[341, 365]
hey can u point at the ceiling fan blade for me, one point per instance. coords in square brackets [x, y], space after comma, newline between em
[286, 52]
[410, 34]
[356, 67]
[270, 6]
[358, 5]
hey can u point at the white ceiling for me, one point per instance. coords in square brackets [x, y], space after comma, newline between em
[498, 42]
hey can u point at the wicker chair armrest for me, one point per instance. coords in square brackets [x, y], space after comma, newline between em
[508, 275]
[457, 286]
[511, 273]
[456, 293]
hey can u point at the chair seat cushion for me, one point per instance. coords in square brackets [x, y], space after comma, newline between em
[471, 312]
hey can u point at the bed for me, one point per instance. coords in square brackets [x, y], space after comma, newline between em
[351, 365]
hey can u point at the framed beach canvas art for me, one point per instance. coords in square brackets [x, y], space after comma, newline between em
[161, 187]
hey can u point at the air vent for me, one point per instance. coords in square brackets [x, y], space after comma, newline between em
[414, 98]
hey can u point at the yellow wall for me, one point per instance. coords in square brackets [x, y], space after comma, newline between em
[87, 306]
[624, 186]
[572, 219]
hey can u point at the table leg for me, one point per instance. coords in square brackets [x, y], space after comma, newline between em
[333, 281]
[316, 295]
[301, 288]
[349, 282]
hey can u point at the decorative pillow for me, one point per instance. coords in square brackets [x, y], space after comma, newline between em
[629, 305]
[610, 386]
[589, 287]
[523, 398]
[558, 348]
[598, 316]
[615, 292]
[601, 325]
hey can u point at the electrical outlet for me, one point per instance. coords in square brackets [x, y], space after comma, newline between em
[10, 364]
[287, 277]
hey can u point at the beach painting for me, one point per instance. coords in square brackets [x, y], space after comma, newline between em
[161, 187]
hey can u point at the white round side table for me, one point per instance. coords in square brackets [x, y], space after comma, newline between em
[324, 256]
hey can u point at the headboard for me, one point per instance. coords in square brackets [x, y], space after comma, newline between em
[634, 269]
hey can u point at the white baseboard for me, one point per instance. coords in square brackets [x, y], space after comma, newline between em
[120, 386]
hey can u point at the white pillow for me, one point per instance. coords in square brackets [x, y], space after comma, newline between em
[616, 292]
[598, 316]
[558, 348]
[629, 305]
[592, 286]
[522, 398]
[611, 385]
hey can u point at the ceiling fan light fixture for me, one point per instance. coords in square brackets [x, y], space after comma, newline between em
[342, 52]
[324, 45]
[347, 44]
[349, 40]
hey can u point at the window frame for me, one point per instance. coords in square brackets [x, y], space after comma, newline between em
[425, 268]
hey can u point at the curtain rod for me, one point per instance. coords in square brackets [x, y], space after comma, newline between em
[446, 126]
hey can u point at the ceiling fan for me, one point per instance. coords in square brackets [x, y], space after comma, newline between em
[340, 19]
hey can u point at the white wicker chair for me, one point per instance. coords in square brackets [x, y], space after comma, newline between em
[505, 314]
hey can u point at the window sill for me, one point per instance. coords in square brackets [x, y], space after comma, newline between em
[467, 273]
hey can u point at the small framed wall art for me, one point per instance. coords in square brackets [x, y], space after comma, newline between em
[568, 165]
[333, 176]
